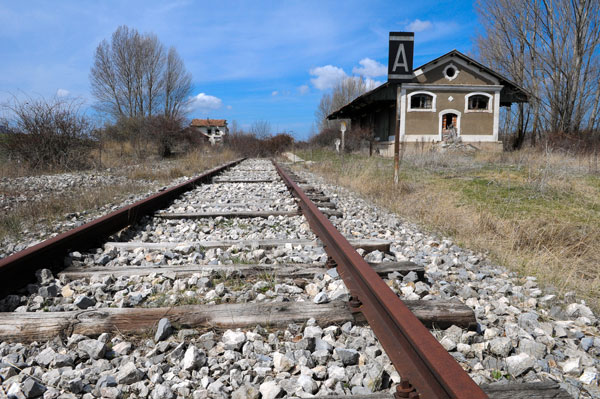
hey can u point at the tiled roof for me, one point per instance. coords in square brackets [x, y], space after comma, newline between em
[208, 122]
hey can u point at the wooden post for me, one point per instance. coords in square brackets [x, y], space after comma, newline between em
[397, 139]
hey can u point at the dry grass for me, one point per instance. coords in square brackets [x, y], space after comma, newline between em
[54, 207]
[51, 208]
[537, 213]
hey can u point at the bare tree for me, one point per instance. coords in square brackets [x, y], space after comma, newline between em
[342, 93]
[178, 85]
[550, 47]
[261, 129]
[132, 77]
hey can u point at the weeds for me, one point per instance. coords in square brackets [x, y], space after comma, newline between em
[537, 213]
[54, 207]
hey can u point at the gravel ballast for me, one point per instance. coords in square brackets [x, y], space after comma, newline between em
[525, 333]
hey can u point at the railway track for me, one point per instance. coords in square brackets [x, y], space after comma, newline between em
[235, 284]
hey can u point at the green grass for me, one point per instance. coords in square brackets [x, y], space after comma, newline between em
[537, 213]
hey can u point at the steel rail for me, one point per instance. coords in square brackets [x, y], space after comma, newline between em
[426, 368]
[18, 269]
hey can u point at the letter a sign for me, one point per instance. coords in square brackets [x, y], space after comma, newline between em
[400, 61]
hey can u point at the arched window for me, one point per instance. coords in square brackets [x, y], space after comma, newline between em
[421, 101]
[478, 102]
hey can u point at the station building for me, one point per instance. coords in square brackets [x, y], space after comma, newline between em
[451, 98]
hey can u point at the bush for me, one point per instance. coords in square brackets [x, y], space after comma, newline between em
[48, 134]
[249, 145]
[277, 144]
[584, 142]
[353, 139]
[325, 138]
[151, 134]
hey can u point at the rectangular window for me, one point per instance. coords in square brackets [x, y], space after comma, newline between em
[478, 103]
[420, 101]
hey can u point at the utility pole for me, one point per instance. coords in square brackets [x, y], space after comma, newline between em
[397, 139]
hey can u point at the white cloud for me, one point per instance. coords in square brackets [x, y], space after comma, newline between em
[204, 102]
[274, 93]
[303, 89]
[326, 76]
[370, 68]
[418, 26]
[62, 92]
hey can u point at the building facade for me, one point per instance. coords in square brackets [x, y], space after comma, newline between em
[213, 129]
[452, 98]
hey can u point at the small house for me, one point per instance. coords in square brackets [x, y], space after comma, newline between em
[214, 129]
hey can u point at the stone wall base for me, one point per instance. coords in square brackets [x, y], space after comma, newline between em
[386, 148]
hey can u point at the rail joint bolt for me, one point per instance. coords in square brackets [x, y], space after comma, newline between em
[354, 304]
[405, 390]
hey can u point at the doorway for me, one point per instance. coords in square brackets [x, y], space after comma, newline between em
[449, 125]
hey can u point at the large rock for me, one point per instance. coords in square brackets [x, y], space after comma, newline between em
[61, 360]
[572, 366]
[234, 339]
[321, 297]
[193, 358]
[349, 357]
[532, 348]
[281, 362]
[245, 392]
[129, 374]
[589, 376]
[94, 349]
[164, 329]
[307, 384]
[501, 346]
[32, 389]
[313, 331]
[270, 390]
[48, 291]
[337, 373]
[577, 310]
[123, 348]
[519, 364]
[45, 357]
[84, 302]
[161, 391]
[106, 381]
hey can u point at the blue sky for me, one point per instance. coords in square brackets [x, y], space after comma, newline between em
[250, 60]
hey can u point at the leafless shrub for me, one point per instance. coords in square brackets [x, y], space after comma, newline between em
[356, 138]
[149, 135]
[48, 134]
[277, 144]
[249, 145]
[325, 138]
[261, 129]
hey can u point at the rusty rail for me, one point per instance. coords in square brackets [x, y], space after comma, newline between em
[18, 269]
[426, 368]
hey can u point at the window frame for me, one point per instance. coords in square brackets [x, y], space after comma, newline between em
[456, 72]
[421, 92]
[490, 98]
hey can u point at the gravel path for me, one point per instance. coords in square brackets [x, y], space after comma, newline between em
[15, 192]
[524, 334]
